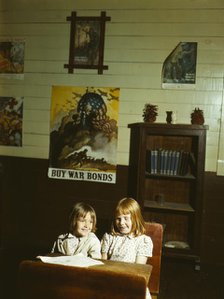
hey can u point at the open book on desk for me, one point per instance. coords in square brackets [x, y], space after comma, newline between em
[78, 260]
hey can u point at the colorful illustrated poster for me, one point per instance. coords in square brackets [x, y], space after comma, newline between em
[11, 121]
[12, 59]
[83, 133]
[179, 68]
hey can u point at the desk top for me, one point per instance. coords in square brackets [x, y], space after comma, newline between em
[128, 268]
[142, 270]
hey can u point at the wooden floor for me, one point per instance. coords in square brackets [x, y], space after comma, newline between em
[179, 280]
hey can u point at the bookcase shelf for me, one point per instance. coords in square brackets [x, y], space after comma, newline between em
[170, 177]
[174, 199]
[169, 206]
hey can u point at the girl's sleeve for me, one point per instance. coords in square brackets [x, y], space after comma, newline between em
[105, 243]
[53, 250]
[95, 249]
[58, 246]
[145, 246]
[65, 245]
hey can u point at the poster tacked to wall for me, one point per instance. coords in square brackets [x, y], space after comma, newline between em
[179, 68]
[83, 133]
[12, 59]
[11, 120]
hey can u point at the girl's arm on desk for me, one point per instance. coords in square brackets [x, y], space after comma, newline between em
[140, 259]
[104, 256]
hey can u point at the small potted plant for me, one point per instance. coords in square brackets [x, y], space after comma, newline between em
[150, 113]
[197, 117]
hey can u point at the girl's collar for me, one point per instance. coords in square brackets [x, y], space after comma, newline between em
[130, 236]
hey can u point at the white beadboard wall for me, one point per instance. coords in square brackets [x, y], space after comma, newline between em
[139, 37]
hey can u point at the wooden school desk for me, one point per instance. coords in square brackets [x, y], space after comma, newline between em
[108, 281]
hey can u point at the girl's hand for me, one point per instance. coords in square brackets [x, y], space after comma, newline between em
[140, 259]
[104, 256]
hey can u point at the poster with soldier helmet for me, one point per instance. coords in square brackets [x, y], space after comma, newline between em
[83, 133]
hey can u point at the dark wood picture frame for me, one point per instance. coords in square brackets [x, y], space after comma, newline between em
[87, 42]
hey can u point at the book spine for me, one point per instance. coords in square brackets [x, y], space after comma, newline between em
[172, 164]
[152, 158]
[177, 158]
[179, 166]
[165, 161]
[162, 161]
[168, 168]
[156, 161]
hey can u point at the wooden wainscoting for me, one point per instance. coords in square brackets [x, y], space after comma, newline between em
[34, 209]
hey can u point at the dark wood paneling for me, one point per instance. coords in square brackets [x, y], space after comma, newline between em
[213, 219]
[34, 208]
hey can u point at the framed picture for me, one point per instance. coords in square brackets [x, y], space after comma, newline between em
[87, 42]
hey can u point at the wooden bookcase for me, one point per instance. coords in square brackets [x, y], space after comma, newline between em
[176, 201]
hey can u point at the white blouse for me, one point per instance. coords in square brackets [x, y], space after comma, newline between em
[126, 248]
[70, 245]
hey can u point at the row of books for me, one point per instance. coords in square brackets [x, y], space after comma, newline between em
[169, 162]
